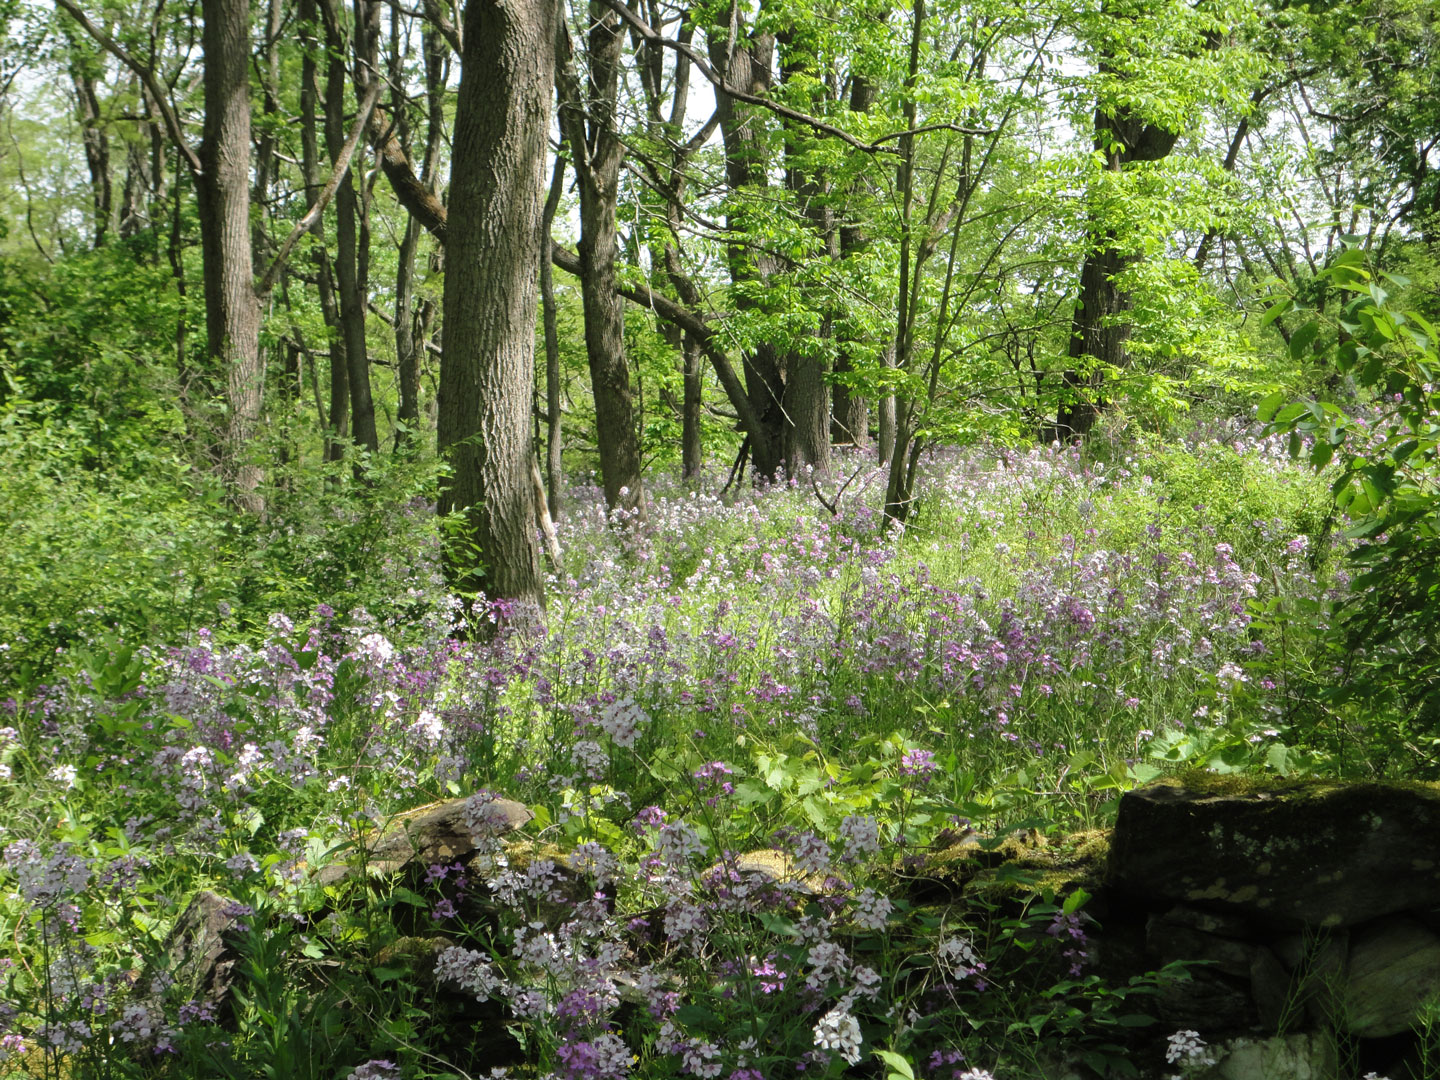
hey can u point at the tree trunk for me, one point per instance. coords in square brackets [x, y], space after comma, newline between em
[554, 433]
[138, 190]
[337, 423]
[849, 412]
[895, 415]
[1099, 328]
[407, 345]
[692, 451]
[347, 246]
[746, 64]
[97, 145]
[232, 311]
[807, 384]
[589, 123]
[885, 420]
[1098, 333]
[502, 120]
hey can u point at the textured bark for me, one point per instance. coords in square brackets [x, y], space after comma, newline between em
[501, 122]
[1098, 333]
[434, 216]
[407, 343]
[588, 119]
[885, 421]
[807, 384]
[895, 415]
[337, 423]
[1099, 328]
[407, 348]
[347, 235]
[745, 62]
[554, 434]
[232, 311]
[692, 449]
[265, 147]
[849, 411]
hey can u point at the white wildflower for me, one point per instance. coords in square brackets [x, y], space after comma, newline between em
[839, 1032]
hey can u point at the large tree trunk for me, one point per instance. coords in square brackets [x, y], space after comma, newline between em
[849, 412]
[807, 384]
[347, 241]
[1100, 329]
[232, 311]
[337, 422]
[1098, 334]
[589, 122]
[746, 64]
[502, 120]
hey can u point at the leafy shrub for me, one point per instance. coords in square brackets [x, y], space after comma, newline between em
[1387, 481]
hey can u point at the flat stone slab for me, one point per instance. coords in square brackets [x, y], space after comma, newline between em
[1313, 854]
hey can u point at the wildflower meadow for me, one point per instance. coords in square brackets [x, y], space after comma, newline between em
[739, 740]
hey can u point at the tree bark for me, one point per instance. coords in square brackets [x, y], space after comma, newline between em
[502, 120]
[347, 239]
[692, 448]
[1099, 328]
[554, 432]
[337, 423]
[97, 144]
[232, 311]
[588, 118]
[745, 61]
[407, 344]
[849, 412]
[807, 383]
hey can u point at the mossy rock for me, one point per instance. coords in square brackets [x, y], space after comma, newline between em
[417, 838]
[413, 956]
[1016, 866]
[1292, 854]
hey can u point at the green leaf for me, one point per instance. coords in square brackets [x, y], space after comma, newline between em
[1292, 412]
[899, 1065]
[1303, 339]
[1270, 405]
[694, 1016]
[1275, 311]
[1135, 1020]
[1075, 901]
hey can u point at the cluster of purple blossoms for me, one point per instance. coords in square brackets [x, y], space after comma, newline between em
[713, 781]
[920, 764]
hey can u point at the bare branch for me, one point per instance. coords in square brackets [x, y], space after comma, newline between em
[649, 33]
[146, 75]
[337, 174]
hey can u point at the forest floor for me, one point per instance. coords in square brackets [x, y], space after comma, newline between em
[744, 673]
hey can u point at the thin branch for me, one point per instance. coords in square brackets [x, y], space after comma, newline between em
[649, 33]
[337, 174]
[147, 76]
